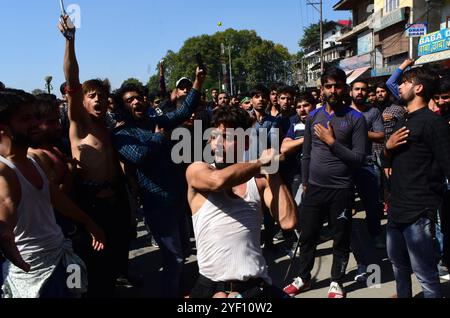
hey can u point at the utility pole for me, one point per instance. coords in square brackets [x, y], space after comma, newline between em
[320, 10]
[231, 69]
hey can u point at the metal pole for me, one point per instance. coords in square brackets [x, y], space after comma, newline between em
[321, 37]
[411, 40]
[231, 69]
[320, 10]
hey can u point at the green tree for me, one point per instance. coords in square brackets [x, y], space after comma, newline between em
[254, 60]
[311, 34]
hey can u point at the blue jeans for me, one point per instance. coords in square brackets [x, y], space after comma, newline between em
[411, 249]
[165, 227]
[439, 235]
[367, 186]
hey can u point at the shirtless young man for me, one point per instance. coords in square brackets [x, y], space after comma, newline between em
[98, 185]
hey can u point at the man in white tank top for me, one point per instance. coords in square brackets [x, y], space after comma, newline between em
[30, 237]
[226, 200]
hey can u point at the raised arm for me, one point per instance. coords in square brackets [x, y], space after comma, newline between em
[76, 112]
[162, 77]
[202, 177]
[178, 117]
[394, 81]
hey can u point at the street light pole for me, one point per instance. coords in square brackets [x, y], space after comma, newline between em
[231, 70]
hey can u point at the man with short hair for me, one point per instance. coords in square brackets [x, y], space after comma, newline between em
[235, 101]
[265, 125]
[99, 186]
[225, 199]
[223, 99]
[372, 96]
[285, 102]
[214, 102]
[293, 143]
[143, 149]
[334, 148]
[366, 179]
[419, 155]
[273, 107]
[29, 235]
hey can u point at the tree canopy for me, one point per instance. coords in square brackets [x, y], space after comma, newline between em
[254, 60]
[311, 34]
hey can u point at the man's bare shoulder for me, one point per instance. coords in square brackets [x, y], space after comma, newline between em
[198, 167]
[9, 183]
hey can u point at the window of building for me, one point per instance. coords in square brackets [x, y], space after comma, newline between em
[391, 5]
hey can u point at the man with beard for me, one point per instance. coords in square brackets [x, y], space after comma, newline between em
[48, 152]
[225, 199]
[365, 177]
[224, 99]
[419, 155]
[29, 235]
[334, 148]
[142, 147]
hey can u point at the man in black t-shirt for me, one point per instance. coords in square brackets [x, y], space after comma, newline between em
[419, 155]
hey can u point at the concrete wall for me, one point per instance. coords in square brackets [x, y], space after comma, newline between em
[445, 12]
[379, 4]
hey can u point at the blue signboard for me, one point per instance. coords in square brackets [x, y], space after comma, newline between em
[434, 42]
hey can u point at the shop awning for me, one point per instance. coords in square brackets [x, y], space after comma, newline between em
[435, 57]
[357, 73]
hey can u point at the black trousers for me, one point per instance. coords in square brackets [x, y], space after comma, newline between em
[255, 288]
[112, 216]
[336, 205]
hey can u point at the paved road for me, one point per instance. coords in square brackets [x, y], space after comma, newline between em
[146, 261]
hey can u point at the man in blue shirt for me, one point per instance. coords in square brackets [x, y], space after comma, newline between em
[147, 155]
[334, 148]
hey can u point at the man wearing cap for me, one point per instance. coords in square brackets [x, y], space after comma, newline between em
[183, 87]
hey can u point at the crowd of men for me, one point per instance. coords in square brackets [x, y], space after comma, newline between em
[74, 174]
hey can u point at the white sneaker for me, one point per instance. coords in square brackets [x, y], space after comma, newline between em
[336, 291]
